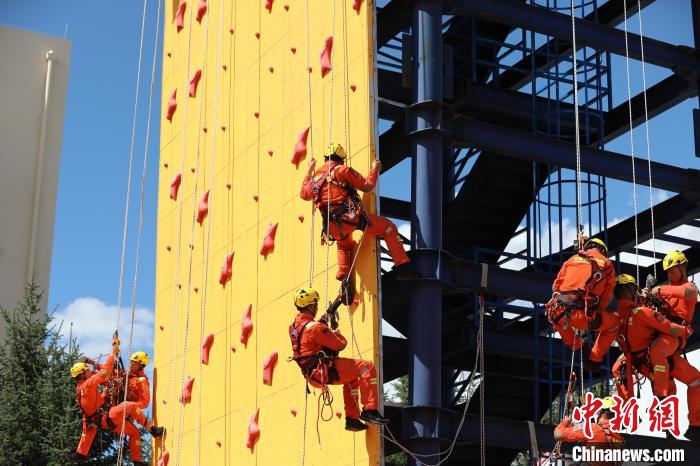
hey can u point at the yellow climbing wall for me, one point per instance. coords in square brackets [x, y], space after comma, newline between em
[237, 142]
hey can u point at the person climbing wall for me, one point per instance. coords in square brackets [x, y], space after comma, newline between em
[583, 287]
[333, 189]
[315, 349]
[139, 386]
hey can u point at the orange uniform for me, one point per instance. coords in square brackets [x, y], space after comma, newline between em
[602, 435]
[357, 376]
[90, 401]
[585, 285]
[139, 389]
[681, 299]
[330, 186]
[610, 325]
[124, 413]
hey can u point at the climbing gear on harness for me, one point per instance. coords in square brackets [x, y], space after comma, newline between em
[335, 149]
[305, 297]
[78, 368]
[140, 357]
[673, 259]
[319, 366]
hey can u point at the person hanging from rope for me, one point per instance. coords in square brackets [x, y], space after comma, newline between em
[315, 349]
[679, 296]
[139, 386]
[603, 437]
[94, 400]
[333, 189]
[583, 287]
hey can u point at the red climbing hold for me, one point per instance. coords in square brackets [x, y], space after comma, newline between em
[294, 412]
[169, 54]
[300, 147]
[204, 128]
[228, 185]
[179, 286]
[224, 67]
[326, 56]
[175, 186]
[231, 30]
[165, 165]
[310, 70]
[196, 289]
[180, 16]
[186, 395]
[253, 430]
[206, 347]
[218, 443]
[255, 197]
[256, 114]
[269, 365]
[294, 50]
[246, 325]
[168, 248]
[162, 328]
[203, 209]
[338, 414]
[163, 461]
[271, 69]
[172, 105]
[270, 152]
[194, 82]
[201, 10]
[268, 245]
[193, 169]
[233, 348]
[286, 7]
[223, 127]
[257, 35]
[353, 87]
[356, 5]
[268, 5]
[226, 271]
[301, 218]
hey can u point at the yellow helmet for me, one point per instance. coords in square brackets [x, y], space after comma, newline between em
[306, 296]
[596, 241]
[335, 149]
[140, 357]
[78, 368]
[625, 279]
[673, 259]
[608, 402]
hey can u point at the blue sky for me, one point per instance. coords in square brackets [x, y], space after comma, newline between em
[92, 179]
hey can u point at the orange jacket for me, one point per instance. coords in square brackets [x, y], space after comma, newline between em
[317, 336]
[681, 299]
[87, 391]
[340, 175]
[571, 432]
[578, 269]
[139, 389]
[640, 325]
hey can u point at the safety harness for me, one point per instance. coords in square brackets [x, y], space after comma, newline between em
[351, 211]
[564, 303]
[319, 366]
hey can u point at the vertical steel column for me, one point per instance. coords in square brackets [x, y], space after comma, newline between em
[426, 233]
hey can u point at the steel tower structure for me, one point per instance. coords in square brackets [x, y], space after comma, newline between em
[478, 94]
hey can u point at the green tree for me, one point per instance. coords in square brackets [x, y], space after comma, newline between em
[40, 422]
[397, 394]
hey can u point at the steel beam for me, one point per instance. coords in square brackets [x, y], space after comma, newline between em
[395, 208]
[562, 154]
[392, 19]
[590, 34]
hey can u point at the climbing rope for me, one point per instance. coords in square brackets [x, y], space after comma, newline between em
[311, 140]
[202, 98]
[577, 135]
[120, 453]
[634, 173]
[648, 139]
[205, 284]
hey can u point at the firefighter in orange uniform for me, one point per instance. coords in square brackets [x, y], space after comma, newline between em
[333, 190]
[139, 387]
[91, 398]
[603, 436]
[582, 290]
[316, 346]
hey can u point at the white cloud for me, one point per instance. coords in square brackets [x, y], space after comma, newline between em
[519, 243]
[92, 322]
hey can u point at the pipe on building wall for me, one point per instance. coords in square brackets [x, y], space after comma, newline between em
[426, 224]
[39, 168]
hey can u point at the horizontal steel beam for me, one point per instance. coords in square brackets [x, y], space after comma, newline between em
[594, 35]
[526, 146]
[395, 208]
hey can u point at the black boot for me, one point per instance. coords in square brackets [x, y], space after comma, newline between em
[354, 425]
[693, 434]
[157, 431]
[372, 416]
[139, 463]
[79, 459]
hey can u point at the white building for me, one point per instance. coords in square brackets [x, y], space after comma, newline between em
[33, 86]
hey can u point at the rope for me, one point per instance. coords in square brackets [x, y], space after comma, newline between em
[306, 406]
[202, 98]
[311, 141]
[634, 173]
[646, 128]
[325, 400]
[120, 454]
[574, 70]
[131, 162]
[205, 284]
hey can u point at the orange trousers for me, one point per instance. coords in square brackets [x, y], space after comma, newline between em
[126, 411]
[566, 325]
[358, 377]
[378, 226]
